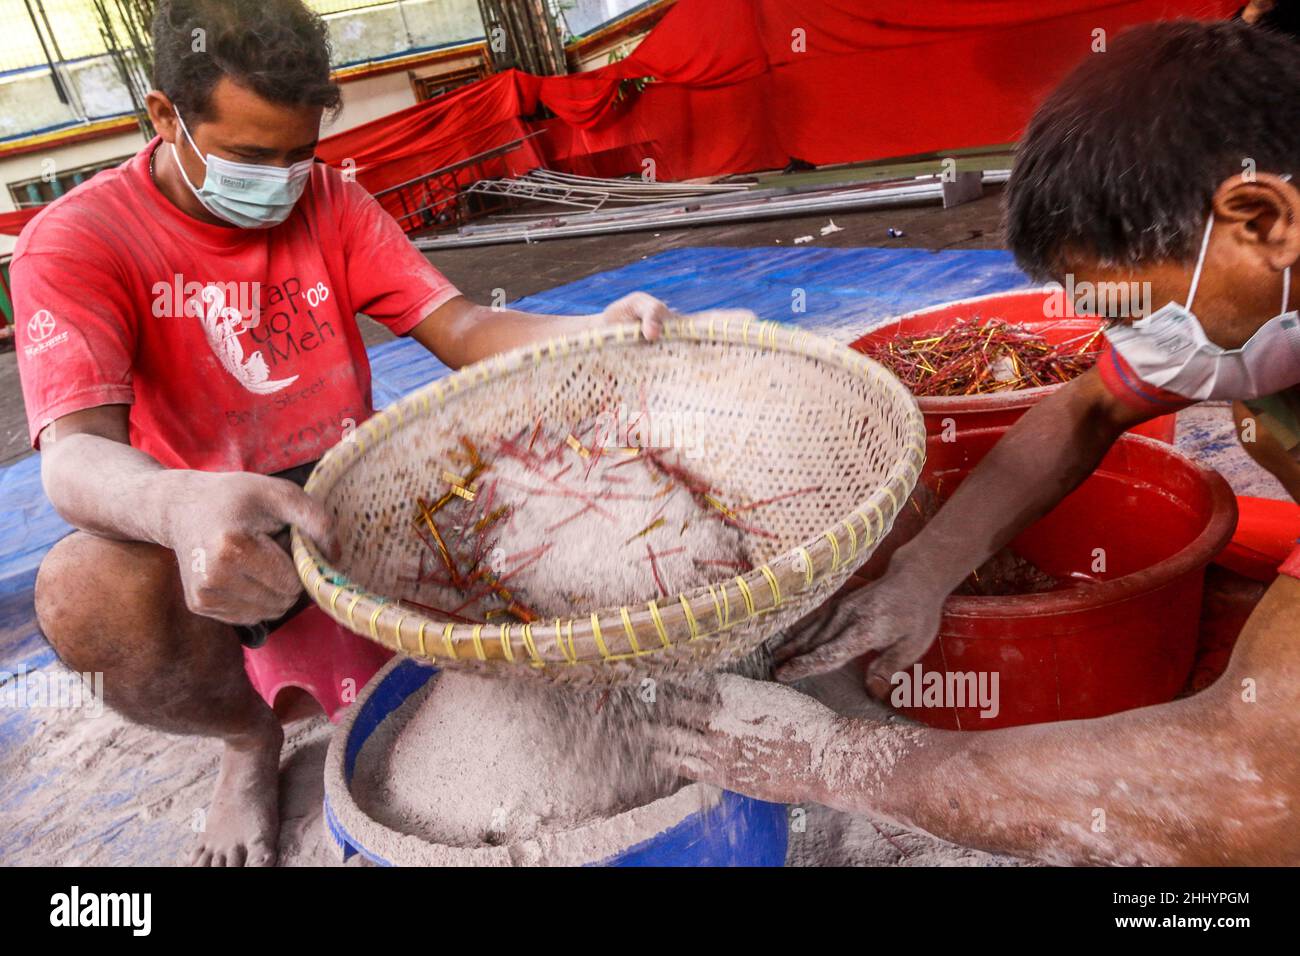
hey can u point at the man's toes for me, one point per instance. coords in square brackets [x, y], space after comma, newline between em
[202, 856]
[260, 854]
[219, 858]
[236, 856]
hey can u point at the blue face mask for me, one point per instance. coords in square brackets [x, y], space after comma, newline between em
[245, 195]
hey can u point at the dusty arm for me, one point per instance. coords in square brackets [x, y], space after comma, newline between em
[219, 525]
[1212, 779]
[461, 332]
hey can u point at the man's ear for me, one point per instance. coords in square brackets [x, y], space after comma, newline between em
[163, 115]
[1263, 211]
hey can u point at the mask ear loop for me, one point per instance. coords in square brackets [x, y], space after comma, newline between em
[1286, 273]
[1200, 262]
[190, 139]
[176, 154]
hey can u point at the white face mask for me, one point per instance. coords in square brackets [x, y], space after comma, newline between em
[1169, 349]
[244, 194]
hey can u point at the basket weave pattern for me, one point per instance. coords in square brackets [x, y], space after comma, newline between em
[770, 409]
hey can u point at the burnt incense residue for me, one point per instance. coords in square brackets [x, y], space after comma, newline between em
[1008, 573]
[553, 773]
[980, 357]
[555, 522]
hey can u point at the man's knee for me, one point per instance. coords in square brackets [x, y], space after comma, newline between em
[118, 608]
[93, 596]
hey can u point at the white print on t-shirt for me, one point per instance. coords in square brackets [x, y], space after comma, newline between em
[222, 325]
[180, 298]
[40, 334]
[318, 295]
[40, 326]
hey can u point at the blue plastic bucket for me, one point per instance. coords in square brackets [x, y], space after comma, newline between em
[732, 830]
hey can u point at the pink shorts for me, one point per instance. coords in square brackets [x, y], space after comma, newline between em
[312, 652]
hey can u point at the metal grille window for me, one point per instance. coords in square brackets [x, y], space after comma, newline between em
[439, 84]
[70, 29]
[585, 16]
[93, 56]
[50, 186]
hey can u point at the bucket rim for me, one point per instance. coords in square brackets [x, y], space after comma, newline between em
[995, 401]
[1196, 554]
[351, 821]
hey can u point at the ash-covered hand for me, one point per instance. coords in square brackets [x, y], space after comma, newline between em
[650, 314]
[891, 603]
[757, 738]
[640, 308]
[898, 614]
[222, 528]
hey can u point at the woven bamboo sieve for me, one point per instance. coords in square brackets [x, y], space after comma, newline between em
[773, 409]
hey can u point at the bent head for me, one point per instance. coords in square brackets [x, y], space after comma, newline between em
[241, 81]
[1177, 129]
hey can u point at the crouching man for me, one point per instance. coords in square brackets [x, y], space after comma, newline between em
[1168, 160]
[188, 348]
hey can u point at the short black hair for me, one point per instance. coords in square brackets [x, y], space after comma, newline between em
[1122, 160]
[277, 48]
[1284, 17]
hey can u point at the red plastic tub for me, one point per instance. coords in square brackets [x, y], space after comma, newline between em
[1027, 307]
[1127, 641]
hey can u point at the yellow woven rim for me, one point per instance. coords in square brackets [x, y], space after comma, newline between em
[686, 622]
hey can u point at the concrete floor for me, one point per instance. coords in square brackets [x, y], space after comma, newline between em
[533, 268]
[526, 269]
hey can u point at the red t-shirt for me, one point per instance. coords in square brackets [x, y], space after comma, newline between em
[237, 350]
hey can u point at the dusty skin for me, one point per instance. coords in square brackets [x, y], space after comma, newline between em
[1211, 779]
[170, 669]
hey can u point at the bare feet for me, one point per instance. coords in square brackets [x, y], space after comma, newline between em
[243, 825]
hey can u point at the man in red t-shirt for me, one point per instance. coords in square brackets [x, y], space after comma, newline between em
[186, 333]
[1163, 167]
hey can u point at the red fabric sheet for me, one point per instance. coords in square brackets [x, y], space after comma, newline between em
[1267, 539]
[733, 94]
[877, 78]
[440, 132]
[12, 223]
